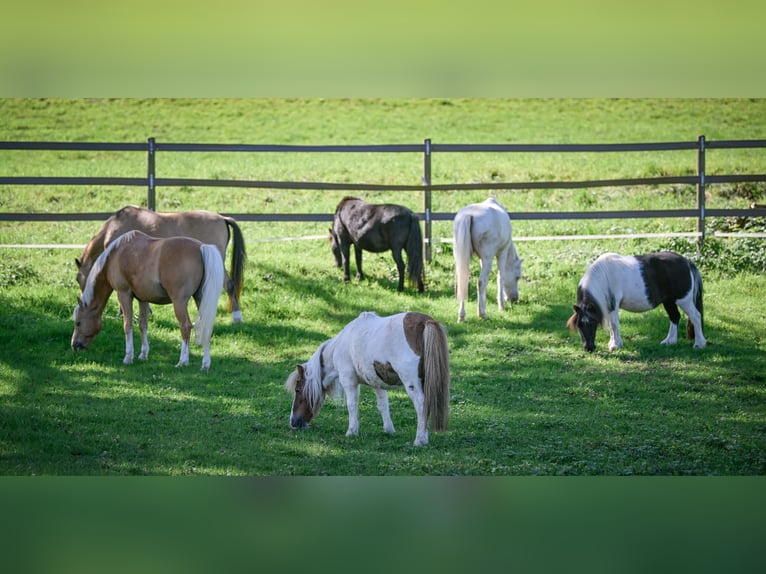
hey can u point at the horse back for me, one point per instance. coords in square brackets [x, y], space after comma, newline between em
[206, 226]
[373, 227]
[667, 276]
[157, 270]
[490, 227]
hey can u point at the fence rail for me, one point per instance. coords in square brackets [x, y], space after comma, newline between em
[427, 149]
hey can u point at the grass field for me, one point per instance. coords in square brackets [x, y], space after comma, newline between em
[526, 399]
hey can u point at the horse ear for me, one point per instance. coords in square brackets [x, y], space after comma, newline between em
[301, 370]
[77, 262]
[577, 309]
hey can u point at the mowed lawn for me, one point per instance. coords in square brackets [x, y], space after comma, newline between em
[526, 399]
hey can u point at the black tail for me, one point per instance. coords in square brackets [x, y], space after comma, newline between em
[414, 251]
[238, 257]
[697, 286]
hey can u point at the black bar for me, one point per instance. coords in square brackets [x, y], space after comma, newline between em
[384, 148]
[151, 195]
[565, 148]
[45, 180]
[427, 196]
[72, 146]
[701, 190]
[94, 216]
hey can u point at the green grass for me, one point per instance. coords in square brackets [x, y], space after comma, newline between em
[526, 399]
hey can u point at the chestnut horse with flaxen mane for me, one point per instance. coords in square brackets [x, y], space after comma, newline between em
[206, 226]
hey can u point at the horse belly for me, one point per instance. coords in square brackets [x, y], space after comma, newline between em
[636, 301]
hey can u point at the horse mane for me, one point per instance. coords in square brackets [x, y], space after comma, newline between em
[314, 390]
[345, 200]
[98, 266]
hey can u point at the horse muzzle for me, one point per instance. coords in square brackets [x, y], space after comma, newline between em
[297, 423]
[79, 346]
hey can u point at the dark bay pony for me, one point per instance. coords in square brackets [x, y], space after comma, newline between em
[638, 283]
[206, 226]
[408, 349]
[161, 271]
[484, 229]
[377, 228]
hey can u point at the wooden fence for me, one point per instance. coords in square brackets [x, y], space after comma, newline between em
[152, 182]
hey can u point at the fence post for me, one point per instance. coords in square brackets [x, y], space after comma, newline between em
[151, 199]
[427, 196]
[701, 191]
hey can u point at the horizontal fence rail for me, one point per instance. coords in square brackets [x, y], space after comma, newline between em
[427, 149]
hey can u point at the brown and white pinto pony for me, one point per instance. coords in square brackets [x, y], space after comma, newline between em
[638, 283]
[152, 270]
[206, 226]
[408, 349]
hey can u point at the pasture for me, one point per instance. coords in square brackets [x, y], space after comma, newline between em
[525, 398]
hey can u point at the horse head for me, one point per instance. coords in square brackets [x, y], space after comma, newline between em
[302, 410]
[585, 322]
[87, 324]
[511, 278]
[335, 247]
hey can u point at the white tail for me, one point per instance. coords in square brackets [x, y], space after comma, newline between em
[463, 249]
[212, 285]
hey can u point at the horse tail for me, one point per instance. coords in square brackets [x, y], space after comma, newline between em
[414, 251]
[463, 249]
[697, 287]
[210, 291]
[238, 258]
[436, 374]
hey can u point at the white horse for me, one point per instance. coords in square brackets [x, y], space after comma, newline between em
[485, 229]
[408, 349]
[638, 284]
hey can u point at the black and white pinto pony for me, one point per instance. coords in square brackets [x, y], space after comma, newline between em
[485, 229]
[377, 228]
[408, 349]
[638, 283]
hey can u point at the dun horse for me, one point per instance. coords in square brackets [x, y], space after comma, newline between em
[205, 226]
[161, 271]
[485, 229]
[377, 228]
[408, 349]
[638, 284]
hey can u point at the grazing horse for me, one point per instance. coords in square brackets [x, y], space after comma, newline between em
[161, 271]
[638, 283]
[485, 229]
[205, 226]
[408, 349]
[377, 228]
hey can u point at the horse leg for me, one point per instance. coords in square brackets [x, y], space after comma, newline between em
[358, 257]
[143, 325]
[693, 315]
[481, 285]
[206, 356]
[615, 341]
[501, 295]
[231, 291]
[675, 317]
[125, 299]
[397, 253]
[180, 307]
[382, 398]
[415, 392]
[352, 405]
[345, 255]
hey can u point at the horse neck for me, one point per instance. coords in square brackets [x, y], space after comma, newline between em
[102, 290]
[93, 249]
